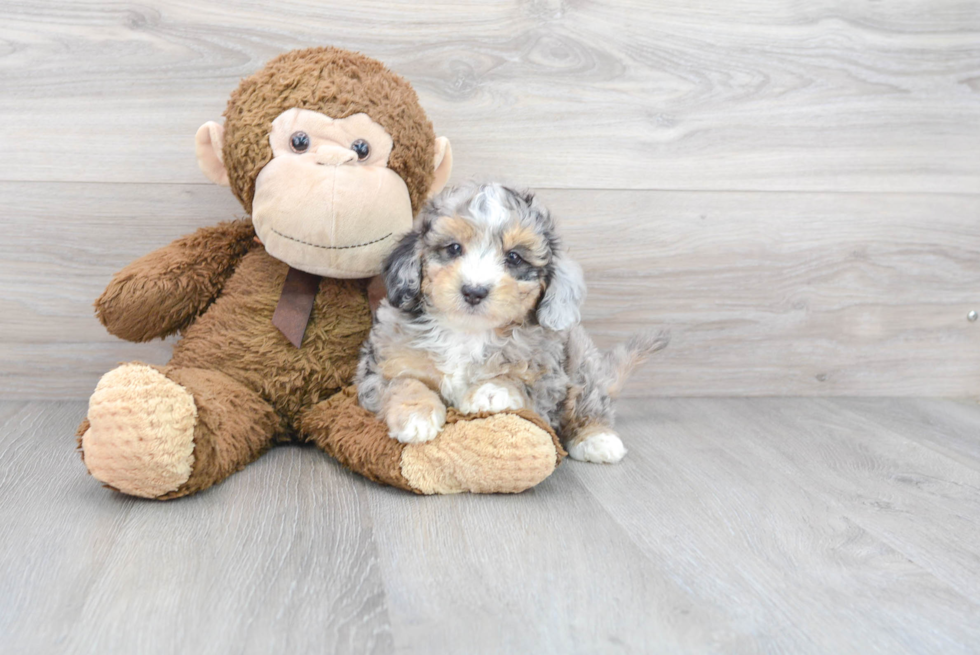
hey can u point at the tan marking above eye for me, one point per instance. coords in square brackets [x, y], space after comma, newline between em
[529, 244]
[458, 229]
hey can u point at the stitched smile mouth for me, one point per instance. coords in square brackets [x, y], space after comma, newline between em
[316, 245]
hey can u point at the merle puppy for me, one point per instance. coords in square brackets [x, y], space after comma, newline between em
[482, 314]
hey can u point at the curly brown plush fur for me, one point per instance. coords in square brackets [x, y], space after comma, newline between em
[174, 285]
[338, 83]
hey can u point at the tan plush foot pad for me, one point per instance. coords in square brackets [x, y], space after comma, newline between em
[140, 438]
[500, 453]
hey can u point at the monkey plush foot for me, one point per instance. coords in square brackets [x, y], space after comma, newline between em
[171, 431]
[140, 433]
[499, 453]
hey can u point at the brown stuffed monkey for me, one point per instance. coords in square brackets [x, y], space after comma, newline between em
[331, 155]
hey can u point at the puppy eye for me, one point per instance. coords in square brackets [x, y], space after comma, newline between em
[362, 148]
[514, 259]
[299, 141]
[454, 250]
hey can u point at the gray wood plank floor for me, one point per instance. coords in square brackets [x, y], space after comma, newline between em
[734, 525]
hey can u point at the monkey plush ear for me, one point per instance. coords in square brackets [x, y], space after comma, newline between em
[208, 144]
[559, 308]
[443, 164]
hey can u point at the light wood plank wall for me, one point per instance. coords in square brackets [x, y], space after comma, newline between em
[792, 188]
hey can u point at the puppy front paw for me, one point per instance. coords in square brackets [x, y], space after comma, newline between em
[416, 426]
[599, 448]
[491, 397]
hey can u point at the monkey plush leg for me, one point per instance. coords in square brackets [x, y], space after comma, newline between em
[168, 432]
[502, 453]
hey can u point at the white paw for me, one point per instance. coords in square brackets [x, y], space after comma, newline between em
[418, 428]
[601, 448]
[491, 397]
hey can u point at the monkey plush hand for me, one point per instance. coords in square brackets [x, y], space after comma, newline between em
[331, 156]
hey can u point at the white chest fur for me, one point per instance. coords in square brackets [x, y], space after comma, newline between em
[461, 360]
[459, 356]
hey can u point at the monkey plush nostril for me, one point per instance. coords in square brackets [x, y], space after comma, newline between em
[331, 155]
[474, 295]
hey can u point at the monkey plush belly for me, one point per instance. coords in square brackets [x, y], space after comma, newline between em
[236, 336]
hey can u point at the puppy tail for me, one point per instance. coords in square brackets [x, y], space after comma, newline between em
[625, 357]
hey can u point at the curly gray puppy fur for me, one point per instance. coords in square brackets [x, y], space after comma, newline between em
[482, 314]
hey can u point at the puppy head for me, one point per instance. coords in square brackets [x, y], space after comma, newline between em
[484, 257]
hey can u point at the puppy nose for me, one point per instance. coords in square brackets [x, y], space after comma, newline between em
[474, 295]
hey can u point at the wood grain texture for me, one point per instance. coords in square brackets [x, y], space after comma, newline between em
[765, 294]
[736, 526]
[547, 571]
[949, 427]
[734, 498]
[283, 559]
[750, 95]
[785, 294]
[878, 477]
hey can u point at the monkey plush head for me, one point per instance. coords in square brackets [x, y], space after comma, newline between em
[331, 154]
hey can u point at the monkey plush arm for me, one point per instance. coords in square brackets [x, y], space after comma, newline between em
[164, 291]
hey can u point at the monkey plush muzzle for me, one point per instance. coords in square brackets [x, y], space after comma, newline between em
[317, 218]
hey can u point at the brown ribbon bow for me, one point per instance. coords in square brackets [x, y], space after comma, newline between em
[295, 304]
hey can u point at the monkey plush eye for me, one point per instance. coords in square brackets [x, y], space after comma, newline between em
[361, 148]
[299, 142]
[454, 250]
[514, 259]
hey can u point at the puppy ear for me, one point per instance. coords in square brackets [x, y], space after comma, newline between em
[559, 308]
[403, 274]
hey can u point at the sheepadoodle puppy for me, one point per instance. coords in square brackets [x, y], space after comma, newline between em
[482, 314]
